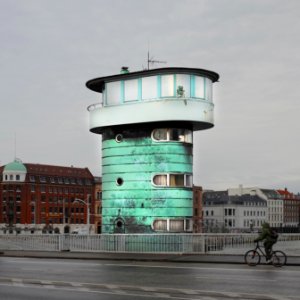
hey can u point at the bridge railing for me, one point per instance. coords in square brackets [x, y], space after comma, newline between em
[145, 243]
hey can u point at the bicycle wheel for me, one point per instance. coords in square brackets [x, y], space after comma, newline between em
[252, 258]
[278, 259]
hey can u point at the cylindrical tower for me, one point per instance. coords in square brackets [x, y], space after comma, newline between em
[147, 120]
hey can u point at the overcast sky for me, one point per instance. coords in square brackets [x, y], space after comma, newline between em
[49, 49]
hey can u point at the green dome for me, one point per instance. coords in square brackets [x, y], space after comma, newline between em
[16, 165]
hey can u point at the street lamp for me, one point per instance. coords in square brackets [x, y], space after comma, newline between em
[88, 211]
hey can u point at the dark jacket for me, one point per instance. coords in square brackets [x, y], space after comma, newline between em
[265, 234]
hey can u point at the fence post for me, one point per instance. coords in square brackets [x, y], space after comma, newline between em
[60, 242]
[203, 241]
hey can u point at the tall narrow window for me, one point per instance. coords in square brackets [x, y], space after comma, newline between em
[167, 86]
[183, 80]
[131, 90]
[113, 93]
[199, 87]
[149, 87]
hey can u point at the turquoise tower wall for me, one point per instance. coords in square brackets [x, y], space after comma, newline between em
[137, 202]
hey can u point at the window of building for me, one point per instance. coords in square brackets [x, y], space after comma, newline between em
[172, 134]
[167, 86]
[173, 180]
[42, 179]
[113, 93]
[183, 80]
[160, 225]
[131, 90]
[176, 180]
[149, 87]
[176, 225]
[17, 177]
[199, 87]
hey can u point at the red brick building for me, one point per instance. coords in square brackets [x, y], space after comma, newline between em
[291, 209]
[98, 204]
[46, 198]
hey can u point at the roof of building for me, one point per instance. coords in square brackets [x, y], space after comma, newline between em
[222, 197]
[16, 166]
[271, 194]
[97, 84]
[49, 170]
[288, 195]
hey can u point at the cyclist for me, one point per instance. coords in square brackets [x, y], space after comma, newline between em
[269, 240]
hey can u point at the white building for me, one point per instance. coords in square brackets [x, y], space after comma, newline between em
[275, 204]
[233, 213]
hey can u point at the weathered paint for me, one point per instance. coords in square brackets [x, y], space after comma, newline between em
[137, 201]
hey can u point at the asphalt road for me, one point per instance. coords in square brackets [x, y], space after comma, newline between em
[45, 279]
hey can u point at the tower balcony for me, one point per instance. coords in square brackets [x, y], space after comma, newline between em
[197, 113]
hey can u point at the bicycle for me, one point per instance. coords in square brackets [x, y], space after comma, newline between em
[253, 257]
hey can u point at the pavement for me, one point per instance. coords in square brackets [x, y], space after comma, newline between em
[120, 256]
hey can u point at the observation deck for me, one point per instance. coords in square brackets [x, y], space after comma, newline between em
[165, 95]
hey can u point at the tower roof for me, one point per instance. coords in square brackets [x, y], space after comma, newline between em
[97, 84]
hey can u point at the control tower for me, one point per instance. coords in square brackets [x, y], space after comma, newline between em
[146, 120]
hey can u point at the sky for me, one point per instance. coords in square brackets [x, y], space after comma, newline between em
[50, 48]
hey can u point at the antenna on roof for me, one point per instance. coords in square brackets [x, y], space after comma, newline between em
[150, 60]
[15, 152]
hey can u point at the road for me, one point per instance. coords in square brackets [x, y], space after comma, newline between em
[36, 279]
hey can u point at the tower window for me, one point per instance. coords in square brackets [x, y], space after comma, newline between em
[173, 180]
[172, 134]
[119, 138]
[167, 86]
[119, 181]
[160, 225]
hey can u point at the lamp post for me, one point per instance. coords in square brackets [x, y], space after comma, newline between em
[88, 211]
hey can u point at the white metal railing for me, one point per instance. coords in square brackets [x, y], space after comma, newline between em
[145, 243]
